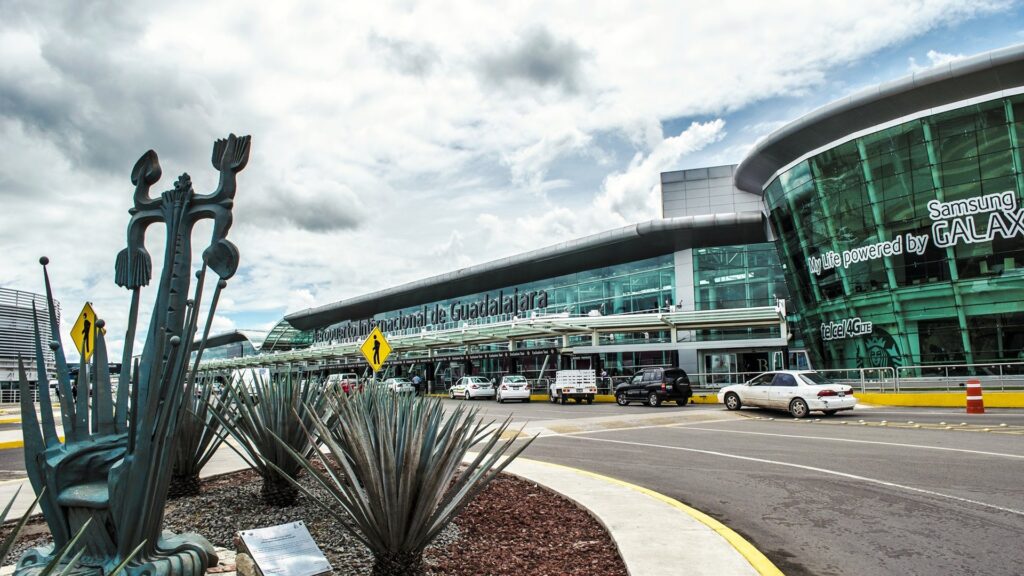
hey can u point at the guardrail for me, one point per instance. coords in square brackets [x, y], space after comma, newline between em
[993, 376]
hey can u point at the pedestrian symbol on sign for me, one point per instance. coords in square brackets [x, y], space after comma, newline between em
[375, 349]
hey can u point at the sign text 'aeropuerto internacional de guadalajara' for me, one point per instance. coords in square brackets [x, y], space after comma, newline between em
[953, 222]
[434, 314]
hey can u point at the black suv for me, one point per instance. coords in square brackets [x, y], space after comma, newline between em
[653, 386]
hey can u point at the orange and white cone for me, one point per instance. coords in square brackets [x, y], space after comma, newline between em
[975, 403]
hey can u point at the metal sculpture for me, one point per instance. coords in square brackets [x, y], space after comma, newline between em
[113, 469]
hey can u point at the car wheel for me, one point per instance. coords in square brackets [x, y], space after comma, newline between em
[451, 394]
[468, 397]
[621, 399]
[831, 412]
[552, 398]
[652, 400]
[564, 399]
[732, 401]
[798, 408]
[682, 401]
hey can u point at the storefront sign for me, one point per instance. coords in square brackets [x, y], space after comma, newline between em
[845, 328]
[486, 306]
[953, 222]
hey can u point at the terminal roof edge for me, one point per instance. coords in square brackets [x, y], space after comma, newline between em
[633, 242]
[978, 75]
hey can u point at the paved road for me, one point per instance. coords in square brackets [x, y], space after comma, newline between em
[829, 497]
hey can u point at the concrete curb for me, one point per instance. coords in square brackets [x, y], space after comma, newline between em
[940, 399]
[633, 515]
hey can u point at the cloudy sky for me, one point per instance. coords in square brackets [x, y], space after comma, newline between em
[397, 140]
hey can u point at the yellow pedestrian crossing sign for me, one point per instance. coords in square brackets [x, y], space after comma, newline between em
[376, 349]
[84, 331]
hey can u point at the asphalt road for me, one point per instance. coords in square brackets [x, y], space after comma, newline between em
[827, 496]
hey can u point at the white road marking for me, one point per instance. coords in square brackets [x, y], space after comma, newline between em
[647, 427]
[824, 438]
[813, 469]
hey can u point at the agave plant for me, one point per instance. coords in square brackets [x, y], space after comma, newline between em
[261, 410]
[198, 438]
[394, 471]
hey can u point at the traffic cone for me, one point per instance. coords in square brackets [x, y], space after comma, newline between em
[975, 403]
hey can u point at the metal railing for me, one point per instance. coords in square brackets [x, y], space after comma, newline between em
[993, 376]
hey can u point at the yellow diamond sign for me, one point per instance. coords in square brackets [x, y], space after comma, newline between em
[84, 331]
[376, 349]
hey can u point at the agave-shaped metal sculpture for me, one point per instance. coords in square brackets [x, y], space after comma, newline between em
[199, 436]
[111, 472]
[394, 475]
[266, 408]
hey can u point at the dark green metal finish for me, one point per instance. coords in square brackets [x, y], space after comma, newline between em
[113, 468]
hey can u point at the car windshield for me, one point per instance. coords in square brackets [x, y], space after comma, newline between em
[401, 380]
[815, 379]
[515, 379]
[479, 380]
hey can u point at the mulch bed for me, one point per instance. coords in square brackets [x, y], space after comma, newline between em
[513, 527]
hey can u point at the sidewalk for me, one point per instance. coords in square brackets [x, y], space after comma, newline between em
[683, 539]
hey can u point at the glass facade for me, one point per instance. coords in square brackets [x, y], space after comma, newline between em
[905, 247]
[737, 277]
[641, 286]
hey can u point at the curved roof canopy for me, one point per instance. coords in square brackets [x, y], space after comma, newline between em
[986, 73]
[633, 242]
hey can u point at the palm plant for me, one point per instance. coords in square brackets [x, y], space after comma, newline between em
[394, 471]
[263, 409]
[198, 438]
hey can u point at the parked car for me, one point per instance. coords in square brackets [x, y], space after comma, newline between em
[470, 387]
[400, 385]
[347, 382]
[653, 386]
[799, 392]
[513, 387]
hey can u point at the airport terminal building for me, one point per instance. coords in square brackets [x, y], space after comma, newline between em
[883, 231]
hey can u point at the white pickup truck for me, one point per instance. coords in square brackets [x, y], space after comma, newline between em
[579, 385]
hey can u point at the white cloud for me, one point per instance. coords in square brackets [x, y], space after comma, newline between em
[935, 58]
[389, 143]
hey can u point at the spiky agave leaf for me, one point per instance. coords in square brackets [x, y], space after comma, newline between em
[394, 470]
[197, 439]
[264, 409]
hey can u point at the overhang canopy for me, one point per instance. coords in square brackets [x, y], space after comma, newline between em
[979, 75]
[634, 242]
[524, 329]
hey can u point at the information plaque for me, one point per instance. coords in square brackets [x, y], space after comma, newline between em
[285, 550]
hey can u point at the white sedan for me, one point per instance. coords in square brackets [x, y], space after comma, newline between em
[470, 387]
[799, 392]
[513, 387]
[400, 386]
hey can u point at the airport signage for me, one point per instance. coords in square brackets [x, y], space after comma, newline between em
[465, 310]
[964, 221]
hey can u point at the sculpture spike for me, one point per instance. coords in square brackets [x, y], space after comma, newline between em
[30, 424]
[67, 407]
[102, 412]
[80, 427]
[45, 403]
[121, 408]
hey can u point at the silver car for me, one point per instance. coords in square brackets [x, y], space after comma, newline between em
[470, 387]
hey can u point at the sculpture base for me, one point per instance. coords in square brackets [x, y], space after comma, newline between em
[175, 555]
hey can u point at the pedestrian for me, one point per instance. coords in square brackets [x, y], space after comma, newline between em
[417, 382]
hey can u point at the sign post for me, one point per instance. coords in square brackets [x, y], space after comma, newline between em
[376, 350]
[84, 331]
